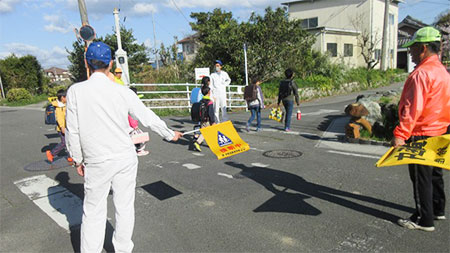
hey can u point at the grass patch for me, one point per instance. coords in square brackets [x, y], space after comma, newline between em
[171, 112]
[33, 100]
[364, 134]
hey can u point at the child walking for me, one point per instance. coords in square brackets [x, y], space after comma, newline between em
[256, 105]
[60, 115]
[134, 124]
[206, 115]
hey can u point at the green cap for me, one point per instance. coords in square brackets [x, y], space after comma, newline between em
[425, 34]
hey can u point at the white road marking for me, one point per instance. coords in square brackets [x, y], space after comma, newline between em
[191, 166]
[198, 154]
[257, 149]
[261, 165]
[225, 175]
[64, 207]
[310, 134]
[354, 154]
[321, 111]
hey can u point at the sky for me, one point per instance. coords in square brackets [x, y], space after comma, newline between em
[44, 28]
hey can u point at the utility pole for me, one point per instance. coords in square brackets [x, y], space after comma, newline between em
[84, 21]
[245, 62]
[121, 55]
[384, 45]
[83, 12]
[1, 87]
[154, 43]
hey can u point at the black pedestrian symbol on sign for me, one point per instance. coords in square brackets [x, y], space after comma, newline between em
[223, 140]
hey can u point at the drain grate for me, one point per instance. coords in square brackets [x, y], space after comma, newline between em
[282, 154]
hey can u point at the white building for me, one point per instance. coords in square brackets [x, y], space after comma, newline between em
[57, 74]
[340, 26]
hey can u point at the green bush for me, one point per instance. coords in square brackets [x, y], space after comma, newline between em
[17, 94]
[52, 91]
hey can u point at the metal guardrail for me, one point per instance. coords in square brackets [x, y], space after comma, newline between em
[181, 99]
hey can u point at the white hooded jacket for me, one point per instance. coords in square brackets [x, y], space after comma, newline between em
[219, 82]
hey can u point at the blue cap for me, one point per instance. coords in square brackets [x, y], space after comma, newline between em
[220, 62]
[98, 51]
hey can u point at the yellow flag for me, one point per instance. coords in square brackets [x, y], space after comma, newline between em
[223, 140]
[432, 151]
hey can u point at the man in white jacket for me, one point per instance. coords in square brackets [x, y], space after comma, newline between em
[102, 150]
[219, 81]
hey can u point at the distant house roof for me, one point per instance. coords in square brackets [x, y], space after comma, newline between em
[189, 38]
[412, 22]
[55, 70]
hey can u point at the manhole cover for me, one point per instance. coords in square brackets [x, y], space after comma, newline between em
[282, 154]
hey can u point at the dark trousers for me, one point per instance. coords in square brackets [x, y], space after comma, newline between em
[288, 106]
[61, 146]
[428, 188]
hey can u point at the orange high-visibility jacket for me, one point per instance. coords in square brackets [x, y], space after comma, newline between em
[424, 108]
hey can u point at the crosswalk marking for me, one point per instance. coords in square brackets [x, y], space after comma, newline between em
[64, 207]
[353, 154]
[191, 166]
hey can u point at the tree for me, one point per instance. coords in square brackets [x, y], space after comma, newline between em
[137, 53]
[22, 72]
[367, 42]
[220, 38]
[76, 57]
[274, 43]
[443, 23]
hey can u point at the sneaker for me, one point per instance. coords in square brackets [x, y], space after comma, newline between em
[247, 128]
[287, 129]
[440, 217]
[258, 129]
[414, 226]
[197, 147]
[49, 155]
[142, 153]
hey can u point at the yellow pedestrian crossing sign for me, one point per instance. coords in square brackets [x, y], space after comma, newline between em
[223, 140]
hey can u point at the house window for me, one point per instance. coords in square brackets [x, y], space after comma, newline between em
[332, 49]
[391, 19]
[348, 50]
[310, 22]
[377, 54]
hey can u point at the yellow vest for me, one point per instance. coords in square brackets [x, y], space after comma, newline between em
[118, 80]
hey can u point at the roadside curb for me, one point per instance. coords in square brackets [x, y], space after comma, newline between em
[334, 138]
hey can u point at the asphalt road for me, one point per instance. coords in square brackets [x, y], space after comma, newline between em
[324, 200]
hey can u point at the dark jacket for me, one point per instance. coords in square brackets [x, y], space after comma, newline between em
[294, 93]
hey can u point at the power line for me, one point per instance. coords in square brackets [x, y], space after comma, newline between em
[176, 6]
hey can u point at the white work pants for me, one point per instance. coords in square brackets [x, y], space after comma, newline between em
[220, 103]
[120, 175]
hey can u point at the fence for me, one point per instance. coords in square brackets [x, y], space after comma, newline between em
[178, 96]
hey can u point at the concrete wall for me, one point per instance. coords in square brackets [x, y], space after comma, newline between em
[341, 40]
[365, 16]
[331, 13]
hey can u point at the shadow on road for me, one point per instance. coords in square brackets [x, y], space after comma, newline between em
[51, 136]
[75, 212]
[323, 126]
[50, 146]
[289, 202]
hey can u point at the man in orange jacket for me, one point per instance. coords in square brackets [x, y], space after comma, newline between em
[424, 111]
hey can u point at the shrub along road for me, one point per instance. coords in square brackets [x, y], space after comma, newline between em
[190, 201]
